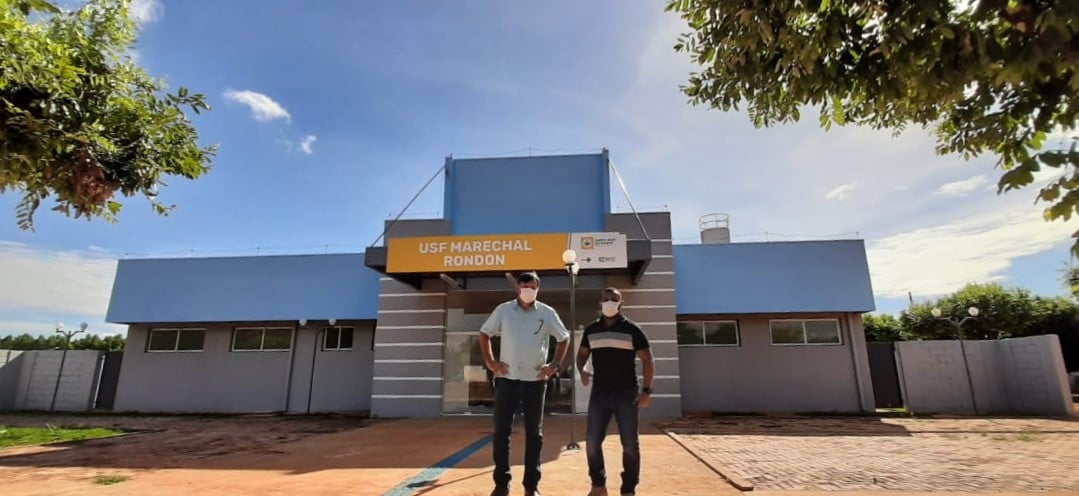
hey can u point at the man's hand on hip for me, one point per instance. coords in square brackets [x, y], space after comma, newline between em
[499, 368]
[546, 371]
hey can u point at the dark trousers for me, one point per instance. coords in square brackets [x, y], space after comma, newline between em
[508, 394]
[602, 405]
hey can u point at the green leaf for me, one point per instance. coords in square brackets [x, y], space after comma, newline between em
[73, 112]
[1016, 178]
[1052, 159]
[1049, 193]
[28, 6]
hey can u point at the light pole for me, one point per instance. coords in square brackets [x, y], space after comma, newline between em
[63, 356]
[569, 257]
[973, 314]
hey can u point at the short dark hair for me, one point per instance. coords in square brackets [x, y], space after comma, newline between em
[614, 291]
[527, 277]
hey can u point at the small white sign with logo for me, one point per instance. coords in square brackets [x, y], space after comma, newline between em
[600, 250]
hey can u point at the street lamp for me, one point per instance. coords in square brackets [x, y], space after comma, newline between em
[569, 257]
[973, 314]
[63, 356]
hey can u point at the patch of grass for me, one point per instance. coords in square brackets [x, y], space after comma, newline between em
[29, 436]
[1025, 437]
[1030, 436]
[108, 480]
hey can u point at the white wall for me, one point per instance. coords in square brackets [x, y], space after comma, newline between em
[757, 376]
[28, 379]
[219, 380]
[10, 370]
[1010, 376]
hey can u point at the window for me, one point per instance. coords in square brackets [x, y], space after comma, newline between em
[811, 331]
[708, 333]
[262, 339]
[337, 338]
[163, 340]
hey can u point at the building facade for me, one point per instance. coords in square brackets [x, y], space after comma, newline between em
[734, 327]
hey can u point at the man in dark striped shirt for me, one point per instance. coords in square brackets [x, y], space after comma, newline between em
[614, 343]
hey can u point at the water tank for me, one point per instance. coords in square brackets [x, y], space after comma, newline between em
[715, 229]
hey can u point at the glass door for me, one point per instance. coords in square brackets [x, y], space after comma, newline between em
[468, 385]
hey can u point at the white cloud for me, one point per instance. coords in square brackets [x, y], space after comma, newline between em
[305, 143]
[940, 259]
[1045, 175]
[841, 192]
[263, 108]
[1060, 137]
[961, 188]
[901, 188]
[145, 11]
[44, 286]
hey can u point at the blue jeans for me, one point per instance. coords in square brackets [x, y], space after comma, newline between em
[622, 405]
[508, 394]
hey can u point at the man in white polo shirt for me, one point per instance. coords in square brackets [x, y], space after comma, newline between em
[521, 372]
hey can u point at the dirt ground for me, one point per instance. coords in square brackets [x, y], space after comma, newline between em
[271, 455]
[277, 455]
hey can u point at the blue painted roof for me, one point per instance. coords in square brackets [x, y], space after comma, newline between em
[513, 195]
[312, 287]
[811, 276]
[803, 276]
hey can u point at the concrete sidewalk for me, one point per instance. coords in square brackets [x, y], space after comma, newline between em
[666, 467]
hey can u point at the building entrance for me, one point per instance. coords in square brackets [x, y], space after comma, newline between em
[468, 385]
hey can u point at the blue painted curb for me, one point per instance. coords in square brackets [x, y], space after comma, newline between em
[432, 473]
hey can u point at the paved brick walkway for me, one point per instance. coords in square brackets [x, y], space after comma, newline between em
[890, 454]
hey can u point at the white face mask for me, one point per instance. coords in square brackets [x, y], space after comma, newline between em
[610, 308]
[528, 295]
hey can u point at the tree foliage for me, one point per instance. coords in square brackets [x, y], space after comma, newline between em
[1003, 313]
[90, 342]
[1071, 280]
[79, 120]
[995, 77]
[883, 327]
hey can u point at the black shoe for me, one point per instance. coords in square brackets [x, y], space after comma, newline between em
[501, 491]
[532, 492]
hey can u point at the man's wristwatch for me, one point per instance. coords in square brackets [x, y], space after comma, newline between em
[646, 390]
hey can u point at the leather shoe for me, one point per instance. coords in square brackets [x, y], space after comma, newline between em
[501, 491]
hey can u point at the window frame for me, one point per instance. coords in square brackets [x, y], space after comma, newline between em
[262, 339]
[339, 329]
[176, 343]
[805, 333]
[704, 334]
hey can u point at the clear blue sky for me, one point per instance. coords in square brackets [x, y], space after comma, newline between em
[330, 118]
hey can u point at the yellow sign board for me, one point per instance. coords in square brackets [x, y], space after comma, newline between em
[497, 252]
